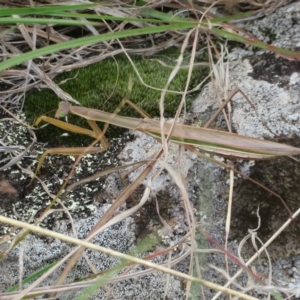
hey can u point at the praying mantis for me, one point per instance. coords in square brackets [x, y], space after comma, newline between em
[193, 138]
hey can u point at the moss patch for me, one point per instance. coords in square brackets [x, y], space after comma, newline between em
[100, 86]
[269, 33]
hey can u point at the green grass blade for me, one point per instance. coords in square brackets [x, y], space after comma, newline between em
[42, 10]
[110, 18]
[256, 43]
[163, 16]
[225, 34]
[171, 18]
[90, 40]
[31, 277]
[145, 245]
[10, 20]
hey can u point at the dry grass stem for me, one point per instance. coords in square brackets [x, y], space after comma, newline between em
[40, 73]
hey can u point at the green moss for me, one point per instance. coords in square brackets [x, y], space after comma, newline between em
[269, 33]
[100, 86]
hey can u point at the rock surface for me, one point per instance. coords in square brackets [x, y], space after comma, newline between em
[277, 102]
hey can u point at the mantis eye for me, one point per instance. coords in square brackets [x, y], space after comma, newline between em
[63, 109]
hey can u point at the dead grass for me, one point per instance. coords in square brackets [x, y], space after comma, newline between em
[39, 74]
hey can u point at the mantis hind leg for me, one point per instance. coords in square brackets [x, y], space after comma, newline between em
[95, 133]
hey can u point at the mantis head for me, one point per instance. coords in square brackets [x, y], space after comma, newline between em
[63, 110]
